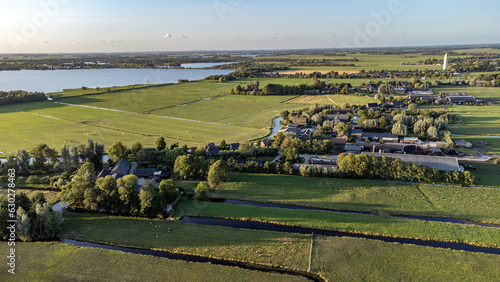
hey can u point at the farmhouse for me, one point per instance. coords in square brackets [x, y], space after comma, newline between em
[444, 95]
[421, 96]
[121, 168]
[373, 106]
[339, 118]
[212, 149]
[300, 121]
[266, 143]
[440, 163]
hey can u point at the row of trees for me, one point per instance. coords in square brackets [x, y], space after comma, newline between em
[35, 218]
[43, 159]
[18, 96]
[363, 166]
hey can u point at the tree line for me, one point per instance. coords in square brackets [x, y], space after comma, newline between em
[18, 96]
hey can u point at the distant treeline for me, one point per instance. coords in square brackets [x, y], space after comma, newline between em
[18, 96]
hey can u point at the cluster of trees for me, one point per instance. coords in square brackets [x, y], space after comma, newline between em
[18, 96]
[382, 168]
[84, 191]
[201, 168]
[45, 159]
[35, 218]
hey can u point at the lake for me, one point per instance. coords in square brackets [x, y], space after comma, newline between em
[56, 80]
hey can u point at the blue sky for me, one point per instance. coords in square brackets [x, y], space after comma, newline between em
[41, 26]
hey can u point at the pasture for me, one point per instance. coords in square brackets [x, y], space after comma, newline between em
[359, 195]
[264, 247]
[351, 223]
[354, 259]
[52, 261]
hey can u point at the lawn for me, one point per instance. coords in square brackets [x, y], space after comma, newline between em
[486, 174]
[489, 145]
[256, 98]
[352, 223]
[359, 195]
[354, 259]
[51, 261]
[273, 248]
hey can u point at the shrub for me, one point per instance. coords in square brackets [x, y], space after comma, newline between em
[33, 179]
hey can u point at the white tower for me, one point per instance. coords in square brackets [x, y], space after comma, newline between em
[445, 63]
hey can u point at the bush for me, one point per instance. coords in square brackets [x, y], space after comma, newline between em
[33, 179]
[497, 161]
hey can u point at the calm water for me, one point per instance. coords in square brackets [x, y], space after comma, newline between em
[57, 80]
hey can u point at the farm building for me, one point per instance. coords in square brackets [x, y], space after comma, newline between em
[384, 136]
[300, 121]
[350, 148]
[460, 99]
[357, 133]
[440, 163]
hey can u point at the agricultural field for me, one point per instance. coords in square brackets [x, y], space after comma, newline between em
[52, 261]
[264, 247]
[486, 174]
[351, 223]
[240, 113]
[488, 145]
[354, 259]
[50, 196]
[358, 257]
[332, 100]
[359, 195]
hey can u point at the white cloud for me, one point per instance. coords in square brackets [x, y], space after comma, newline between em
[44, 42]
[167, 36]
[182, 36]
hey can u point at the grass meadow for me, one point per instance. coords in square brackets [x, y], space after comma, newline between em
[354, 259]
[358, 195]
[352, 223]
[264, 247]
[52, 261]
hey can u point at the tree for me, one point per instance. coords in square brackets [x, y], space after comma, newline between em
[117, 151]
[341, 126]
[217, 173]
[290, 154]
[345, 90]
[382, 123]
[202, 189]
[149, 201]
[223, 145]
[74, 192]
[317, 118]
[108, 197]
[400, 129]
[23, 225]
[191, 167]
[160, 143]
[65, 158]
[420, 128]
[23, 161]
[433, 132]
[75, 158]
[130, 202]
[168, 191]
[136, 147]
[468, 178]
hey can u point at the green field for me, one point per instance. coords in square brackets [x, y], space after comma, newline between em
[486, 174]
[352, 223]
[489, 145]
[50, 261]
[359, 195]
[353, 259]
[334, 258]
[332, 100]
[272, 248]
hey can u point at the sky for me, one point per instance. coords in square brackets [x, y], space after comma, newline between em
[76, 26]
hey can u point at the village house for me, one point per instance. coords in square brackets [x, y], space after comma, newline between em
[212, 149]
[372, 106]
[267, 143]
[336, 118]
[357, 134]
[460, 99]
[300, 121]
